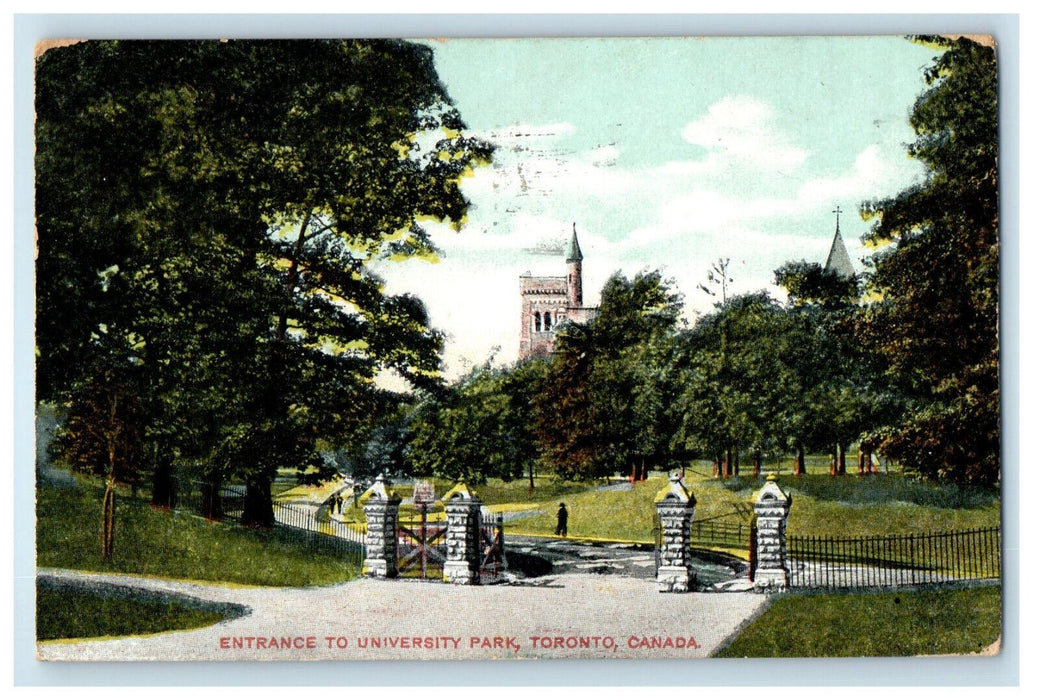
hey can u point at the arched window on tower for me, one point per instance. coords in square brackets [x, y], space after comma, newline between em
[548, 320]
[537, 322]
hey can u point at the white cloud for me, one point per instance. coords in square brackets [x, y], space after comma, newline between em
[732, 201]
[871, 173]
[743, 129]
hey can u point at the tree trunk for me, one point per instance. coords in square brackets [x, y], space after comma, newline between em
[162, 482]
[834, 459]
[642, 468]
[291, 276]
[108, 518]
[757, 469]
[212, 507]
[736, 462]
[799, 461]
[258, 510]
[841, 459]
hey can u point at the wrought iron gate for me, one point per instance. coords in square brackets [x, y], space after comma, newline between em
[421, 547]
[492, 549]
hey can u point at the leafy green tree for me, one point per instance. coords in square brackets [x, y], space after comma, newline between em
[220, 205]
[383, 452]
[735, 379]
[102, 435]
[602, 409]
[839, 395]
[810, 283]
[936, 320]
[480, 428]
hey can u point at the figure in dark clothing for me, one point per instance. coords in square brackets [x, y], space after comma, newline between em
[561, 521]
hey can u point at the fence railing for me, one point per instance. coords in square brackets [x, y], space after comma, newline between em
[901, 560]
[308, 525]
[492, 549]
[720, 534]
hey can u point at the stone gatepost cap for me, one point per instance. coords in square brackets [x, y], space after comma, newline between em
[459, 492]
[771, 493]
[380, 491]
[675, 492]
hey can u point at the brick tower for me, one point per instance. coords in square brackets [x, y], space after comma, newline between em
[549, 302]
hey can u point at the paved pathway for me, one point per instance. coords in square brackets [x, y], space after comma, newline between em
[569, 615]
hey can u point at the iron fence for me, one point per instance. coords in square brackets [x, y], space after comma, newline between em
[713, 533]
[492, 549]
[308, 525]
[314, 525]
[901, 560]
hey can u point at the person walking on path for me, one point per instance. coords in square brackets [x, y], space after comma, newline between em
[561, 521]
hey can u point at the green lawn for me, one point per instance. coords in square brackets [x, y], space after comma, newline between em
[65, 614]
[849, 506]
[174, 545]
[903, 623]
[822, 505]
[624, 515]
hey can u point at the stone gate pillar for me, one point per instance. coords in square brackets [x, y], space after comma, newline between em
[462, 538]
[675, 506]
[772, 506]
[380, 506]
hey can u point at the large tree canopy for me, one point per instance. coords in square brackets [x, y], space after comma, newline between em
[603, 403]
[207, 212]
[937, 276]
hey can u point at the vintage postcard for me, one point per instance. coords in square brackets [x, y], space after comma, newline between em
[559, 348]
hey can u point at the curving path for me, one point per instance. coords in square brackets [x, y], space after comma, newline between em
[570, 615]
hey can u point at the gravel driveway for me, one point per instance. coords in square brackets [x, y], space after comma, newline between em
[571, 615]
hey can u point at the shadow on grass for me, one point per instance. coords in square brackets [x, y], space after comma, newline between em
[877, 488]
[72, 609]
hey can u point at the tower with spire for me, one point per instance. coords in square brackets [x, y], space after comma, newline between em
[547, 303]
[574, 270]
[838, 261]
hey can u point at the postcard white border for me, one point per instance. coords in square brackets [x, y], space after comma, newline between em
[958, 671]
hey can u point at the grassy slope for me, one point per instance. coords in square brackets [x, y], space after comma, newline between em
[173, 545]
[76, 615]
[838, 506]
[626, 515]
[904, 623]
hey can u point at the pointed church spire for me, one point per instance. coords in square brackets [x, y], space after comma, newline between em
[838, 260]
[574, 253]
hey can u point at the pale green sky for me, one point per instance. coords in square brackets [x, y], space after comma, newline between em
[666, 153]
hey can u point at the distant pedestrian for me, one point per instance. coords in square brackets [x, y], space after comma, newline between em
[339, 504]
[561, 521]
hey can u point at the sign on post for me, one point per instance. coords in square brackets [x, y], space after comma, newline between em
[423, 493]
